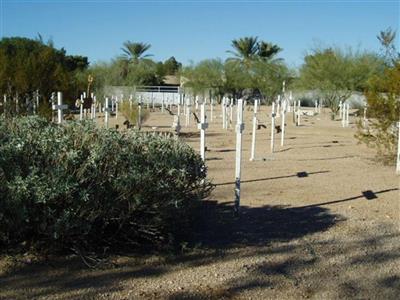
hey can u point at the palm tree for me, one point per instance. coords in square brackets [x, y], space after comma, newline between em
[266, 51]
[134, 52]
[387, 40]
[245, 48]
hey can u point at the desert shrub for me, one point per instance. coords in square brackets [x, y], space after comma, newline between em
[383, 112]
[131, 112]
[80, 187]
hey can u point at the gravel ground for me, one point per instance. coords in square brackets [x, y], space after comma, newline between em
[319, 219]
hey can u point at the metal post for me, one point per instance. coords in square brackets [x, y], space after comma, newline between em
[203, 126]
[253, 137]
[239, 130]
[272, 126]
[284, 104]
[106, 111]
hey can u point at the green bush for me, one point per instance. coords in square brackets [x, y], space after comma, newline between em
[131, 112]
[80, 187]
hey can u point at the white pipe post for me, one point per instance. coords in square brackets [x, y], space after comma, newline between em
[116, 107]
[59, 109]
[284, 103]
[340, 108]
[398, 150]
[239, 130]
[253, 137]
[106, 111]
[365, 117]
[112, 103]
[140, 115]
[343, 115]
[298, 112]
[315, 106]
[81, 109]
[231, 112]
[347, 115]
[203, 126]
[272, 126]
[224, 113]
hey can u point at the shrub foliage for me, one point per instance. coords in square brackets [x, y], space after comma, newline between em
[383, 113]
[80, 187]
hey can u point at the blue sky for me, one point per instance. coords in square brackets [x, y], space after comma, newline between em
[196, 30]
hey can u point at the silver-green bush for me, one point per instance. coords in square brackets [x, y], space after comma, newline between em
[78, 186]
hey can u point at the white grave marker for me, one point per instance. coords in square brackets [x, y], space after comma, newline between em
[59, 107]
[253, 137]
[231, 112]
[298, 112]
[272, 126]
[224, 125]
[284, 104]
[239, 131]
[106, 113]
[203, 126]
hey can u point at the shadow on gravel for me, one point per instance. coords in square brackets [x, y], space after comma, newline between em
[298, 174]
[259, 225]
[272, 248]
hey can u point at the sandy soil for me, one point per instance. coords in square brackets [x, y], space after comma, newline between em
[319, 219]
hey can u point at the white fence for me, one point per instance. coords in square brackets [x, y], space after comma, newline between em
[152, 95]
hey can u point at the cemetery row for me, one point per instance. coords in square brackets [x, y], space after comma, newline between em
[180, 105]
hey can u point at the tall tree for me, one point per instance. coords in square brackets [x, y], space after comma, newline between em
[28, 65]
[387, 39]
[133, 52]
[336, 74]
[171, 66]
[267, 51]
[245, 49]
[383, 102]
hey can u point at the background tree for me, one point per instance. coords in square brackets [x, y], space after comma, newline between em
[245, 49]
[171, 66]
[28, 65]
[383, 102]
[387, 39]
[336, 74]
[133, 52]
[267, 51]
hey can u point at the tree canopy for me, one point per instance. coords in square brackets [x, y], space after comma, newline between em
[28, 65]
[336, 74]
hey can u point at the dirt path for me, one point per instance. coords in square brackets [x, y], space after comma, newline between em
[319, 219]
